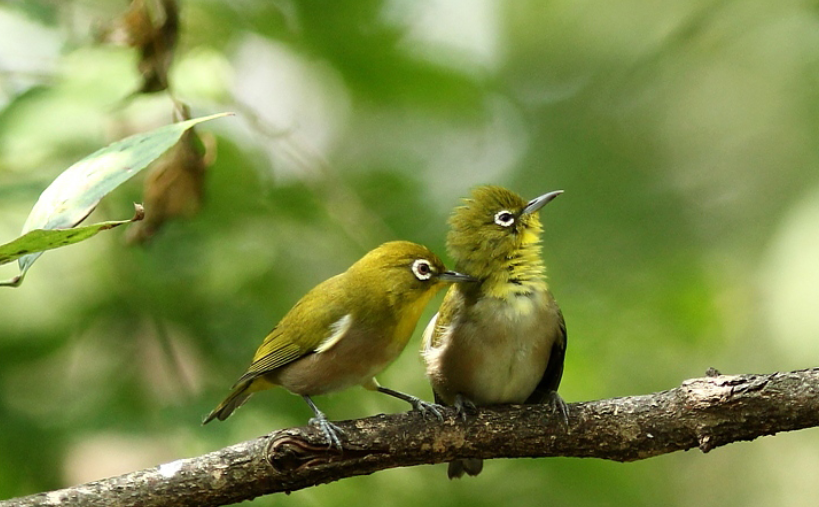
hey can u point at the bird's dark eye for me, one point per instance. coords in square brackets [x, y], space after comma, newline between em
[421, 269]
[504, 218]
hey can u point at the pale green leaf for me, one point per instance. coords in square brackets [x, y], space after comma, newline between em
[35, 242]
[77, 191]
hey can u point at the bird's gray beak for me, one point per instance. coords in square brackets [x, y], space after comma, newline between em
[539, 202]
[455, 277]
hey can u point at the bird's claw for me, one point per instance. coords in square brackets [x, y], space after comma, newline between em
[464, 407]
[427, 409]
[418, 404]
[330, 431]
[559, 406]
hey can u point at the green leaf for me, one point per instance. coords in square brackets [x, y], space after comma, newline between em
[37, 241]
[76, 192]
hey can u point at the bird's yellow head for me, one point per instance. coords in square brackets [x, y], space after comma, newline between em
[409, 274]
[496, 229]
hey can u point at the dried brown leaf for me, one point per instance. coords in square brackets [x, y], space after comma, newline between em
[175, 186]
[151, 26]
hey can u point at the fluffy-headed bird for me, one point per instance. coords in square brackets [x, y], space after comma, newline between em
[503, 338]
[346, 330]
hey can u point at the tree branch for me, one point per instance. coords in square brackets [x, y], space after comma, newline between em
[705, 413]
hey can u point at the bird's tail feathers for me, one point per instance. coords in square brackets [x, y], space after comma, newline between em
[459, 467]
[237, 397]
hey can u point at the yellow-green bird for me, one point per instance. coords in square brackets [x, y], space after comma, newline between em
[346, 330]
[503, 338]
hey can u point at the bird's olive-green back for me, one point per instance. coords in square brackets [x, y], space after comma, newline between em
[380, 291]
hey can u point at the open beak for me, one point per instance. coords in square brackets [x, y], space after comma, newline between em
[539, 202]
[455, 277]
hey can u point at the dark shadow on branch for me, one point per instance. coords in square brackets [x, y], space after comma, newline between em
[705, 413]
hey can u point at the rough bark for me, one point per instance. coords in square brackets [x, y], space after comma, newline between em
[704, 413]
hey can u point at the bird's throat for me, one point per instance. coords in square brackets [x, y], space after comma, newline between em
[519, 273]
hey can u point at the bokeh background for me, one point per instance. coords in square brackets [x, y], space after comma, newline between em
[684, 134]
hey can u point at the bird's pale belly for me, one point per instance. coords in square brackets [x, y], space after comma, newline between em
[509, 379]
[353, 361]
[501, 357]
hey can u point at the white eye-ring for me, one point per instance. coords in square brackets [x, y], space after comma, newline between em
[504, 218]
[421, 269]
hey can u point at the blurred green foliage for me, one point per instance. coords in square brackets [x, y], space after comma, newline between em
[684, 135]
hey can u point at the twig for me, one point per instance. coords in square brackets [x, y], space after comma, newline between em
[702, 413]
